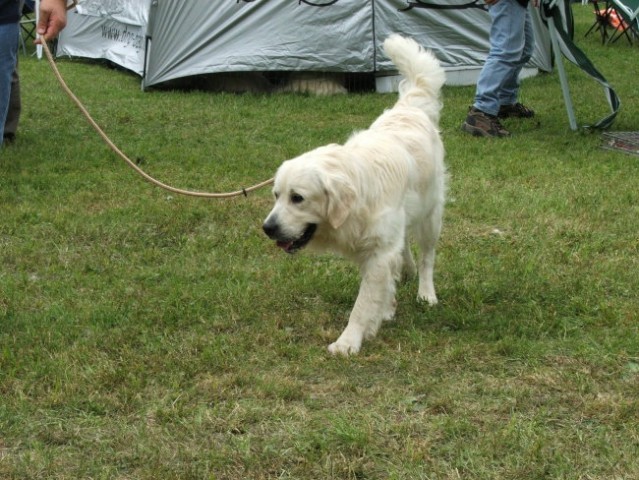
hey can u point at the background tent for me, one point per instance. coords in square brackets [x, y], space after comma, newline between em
[114, 30]
[164, 40]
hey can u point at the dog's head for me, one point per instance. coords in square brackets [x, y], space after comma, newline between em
[312, 193]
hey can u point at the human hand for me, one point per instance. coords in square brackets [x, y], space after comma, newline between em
[53, 18]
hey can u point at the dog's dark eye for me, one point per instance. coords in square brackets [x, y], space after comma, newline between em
[296, 198]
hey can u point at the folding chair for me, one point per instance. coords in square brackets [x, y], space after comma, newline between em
[27, 24]
[628, 10]
[602, 20]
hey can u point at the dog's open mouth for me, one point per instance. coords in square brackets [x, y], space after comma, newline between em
[293, 246]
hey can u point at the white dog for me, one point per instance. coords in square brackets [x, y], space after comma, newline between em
[363, 198]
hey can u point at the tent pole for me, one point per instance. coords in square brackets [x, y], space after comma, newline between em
[562, 74]
[37, 15]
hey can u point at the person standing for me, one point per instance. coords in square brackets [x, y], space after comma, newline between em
[53, 18]
[512, 42]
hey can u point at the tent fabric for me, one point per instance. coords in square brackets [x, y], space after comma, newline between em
[292, 35]
[206, 37]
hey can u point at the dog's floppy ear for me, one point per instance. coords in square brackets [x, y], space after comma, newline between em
[340, 194]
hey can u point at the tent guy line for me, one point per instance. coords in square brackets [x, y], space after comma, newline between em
[127, 160]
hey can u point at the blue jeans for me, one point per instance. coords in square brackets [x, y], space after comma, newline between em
[511, 45]
[9, 37]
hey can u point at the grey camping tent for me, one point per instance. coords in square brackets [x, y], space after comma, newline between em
[164, 40]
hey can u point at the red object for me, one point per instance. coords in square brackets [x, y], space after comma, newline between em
[614, 19]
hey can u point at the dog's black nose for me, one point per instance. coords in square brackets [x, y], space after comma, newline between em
[270, 228]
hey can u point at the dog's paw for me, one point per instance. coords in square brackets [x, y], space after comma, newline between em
[429, 299]
[343, 348]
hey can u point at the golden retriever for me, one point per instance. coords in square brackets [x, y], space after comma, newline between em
[364, 198]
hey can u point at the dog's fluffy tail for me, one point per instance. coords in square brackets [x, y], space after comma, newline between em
[423, 75]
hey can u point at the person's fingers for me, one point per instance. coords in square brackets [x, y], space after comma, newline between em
[49, 25]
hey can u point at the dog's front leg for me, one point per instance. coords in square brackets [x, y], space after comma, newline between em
[375, 302]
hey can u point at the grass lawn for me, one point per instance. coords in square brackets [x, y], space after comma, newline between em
[145, 335]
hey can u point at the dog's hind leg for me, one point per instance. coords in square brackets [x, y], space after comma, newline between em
[428, 235]
[375, 303]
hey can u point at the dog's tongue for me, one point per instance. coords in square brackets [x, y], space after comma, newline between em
[284, 245]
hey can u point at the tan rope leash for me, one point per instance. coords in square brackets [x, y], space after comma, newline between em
[123, 156]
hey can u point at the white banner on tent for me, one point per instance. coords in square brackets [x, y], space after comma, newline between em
[113, 30]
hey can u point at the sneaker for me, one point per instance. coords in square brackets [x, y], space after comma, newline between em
[516, 110]
[482, 124]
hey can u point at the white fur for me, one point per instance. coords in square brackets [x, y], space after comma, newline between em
[367, 195]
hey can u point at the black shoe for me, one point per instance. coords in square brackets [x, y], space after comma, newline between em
[9, 138]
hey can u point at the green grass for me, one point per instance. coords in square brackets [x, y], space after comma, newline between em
[145, 335]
